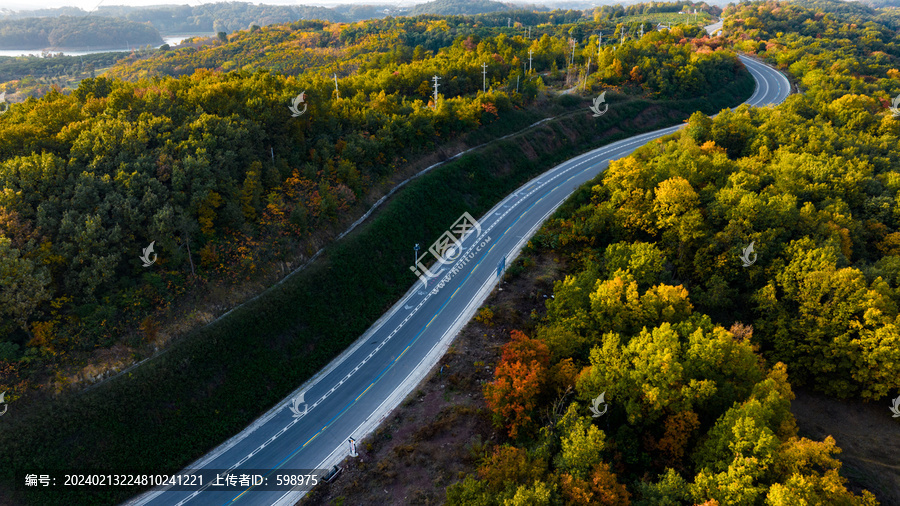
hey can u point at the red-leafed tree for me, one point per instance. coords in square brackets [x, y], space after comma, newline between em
[518, 380]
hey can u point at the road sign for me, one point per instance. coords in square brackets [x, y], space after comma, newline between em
[501, 267]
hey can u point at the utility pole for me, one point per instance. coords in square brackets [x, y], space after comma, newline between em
[599, 45]
[586, 72]
[572, 41]
[507, 22]
[517, 84]
[435, 79]
[642, 30]
[336, 88]
[529, 59]
[484, 77]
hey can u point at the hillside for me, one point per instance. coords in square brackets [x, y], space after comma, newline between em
[69, 32]
[641, 352]
[234, 190]
[458, 7]
[178, 215]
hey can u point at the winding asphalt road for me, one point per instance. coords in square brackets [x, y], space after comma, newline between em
[351, 396]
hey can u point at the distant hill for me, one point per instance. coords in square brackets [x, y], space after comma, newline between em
[112, 27]
[458, 7]
[212, 17]
[68, 32]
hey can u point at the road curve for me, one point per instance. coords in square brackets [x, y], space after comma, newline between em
[357, 390]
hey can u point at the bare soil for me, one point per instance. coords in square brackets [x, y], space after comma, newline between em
[441, 431]
[867, 434]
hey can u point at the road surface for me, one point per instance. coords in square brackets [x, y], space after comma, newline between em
[715, 27]
[351, 396]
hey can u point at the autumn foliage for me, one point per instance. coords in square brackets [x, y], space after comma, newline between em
[518, 380]
[691, 413]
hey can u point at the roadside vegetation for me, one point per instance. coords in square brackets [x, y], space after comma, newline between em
[235, 192]
[695, 354]
[212, 169]
[646, 312]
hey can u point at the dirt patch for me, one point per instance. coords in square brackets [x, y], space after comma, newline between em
[649, 117]
[867, 434]
[441, 431]
[568, 132]
[526, 148]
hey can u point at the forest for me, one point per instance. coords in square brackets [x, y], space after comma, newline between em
[195, 150]
[211, 18]
[210, 166]
[615, 11]
[456, 8]
[352, 50]
[33, 76]
[232, 16]
[695, 354]
[70, 32]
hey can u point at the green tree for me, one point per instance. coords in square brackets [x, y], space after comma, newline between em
[23, 284]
